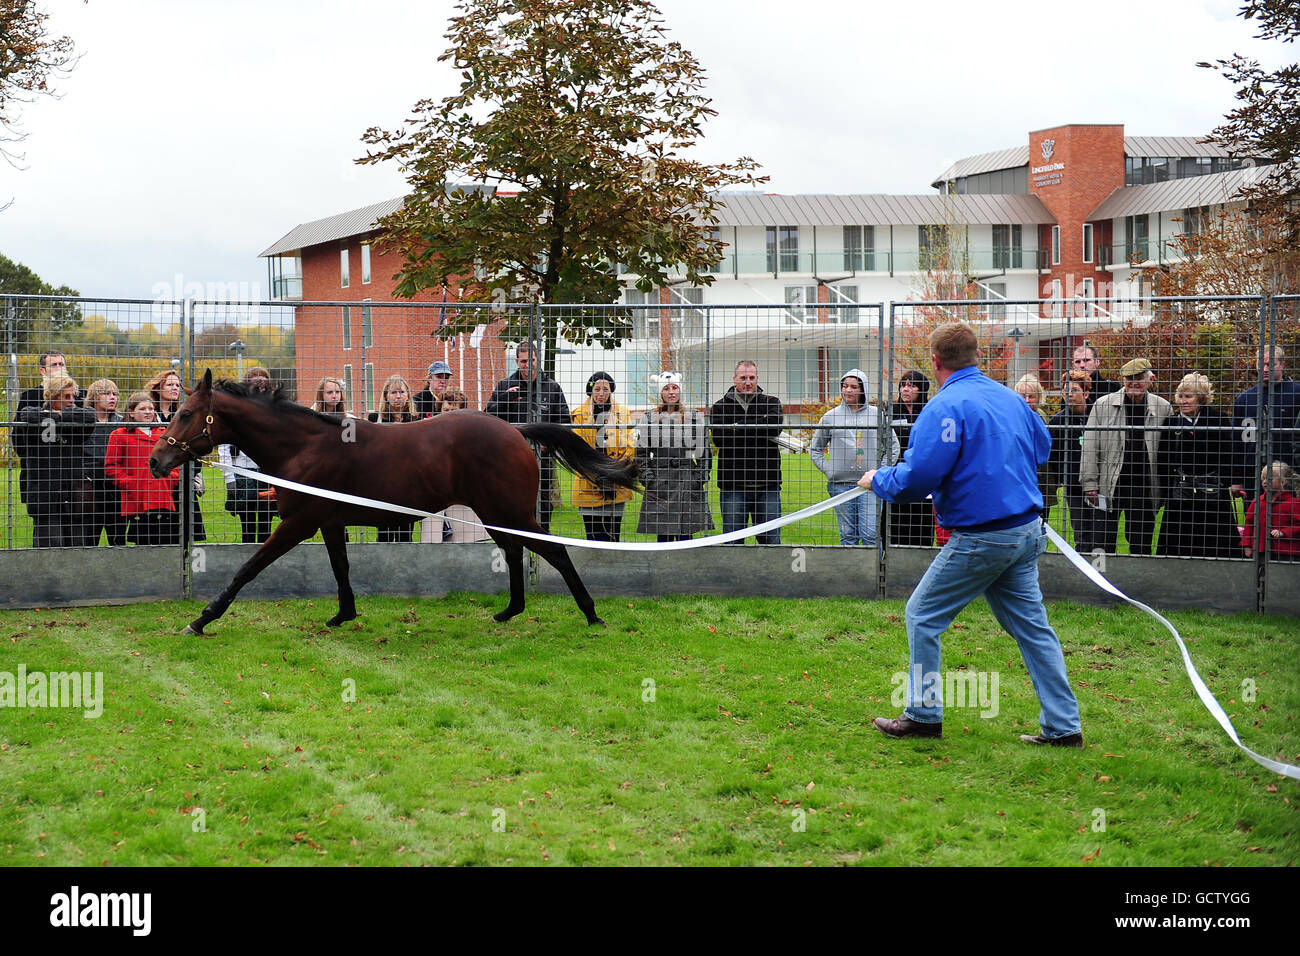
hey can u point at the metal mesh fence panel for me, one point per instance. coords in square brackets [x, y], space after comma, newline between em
[735, 413]
[1154, 408]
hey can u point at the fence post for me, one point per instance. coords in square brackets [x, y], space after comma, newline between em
[13, 390]
[186, 500]
[1263, 443]
[537, 361]
[885, 373]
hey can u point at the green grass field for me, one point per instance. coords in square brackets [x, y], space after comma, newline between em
[690, 731]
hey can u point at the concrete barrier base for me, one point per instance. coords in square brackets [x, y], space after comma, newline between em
[86, 576]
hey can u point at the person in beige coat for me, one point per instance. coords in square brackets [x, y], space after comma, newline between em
[1118, 469]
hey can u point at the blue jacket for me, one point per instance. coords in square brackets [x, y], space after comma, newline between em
[1285, 397]
[976, 446]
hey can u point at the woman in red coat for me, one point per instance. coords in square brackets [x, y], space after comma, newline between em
[147, 502]
[1283, 516]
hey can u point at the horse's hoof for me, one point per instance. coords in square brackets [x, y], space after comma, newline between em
[595, 622]
[338, 619]
[502, 616]
[191, 629]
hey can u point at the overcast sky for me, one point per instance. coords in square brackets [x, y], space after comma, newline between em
[194, 133]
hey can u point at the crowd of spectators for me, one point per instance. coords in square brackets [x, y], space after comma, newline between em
[1172, 478]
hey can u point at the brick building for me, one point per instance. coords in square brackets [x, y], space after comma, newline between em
[1077, 211]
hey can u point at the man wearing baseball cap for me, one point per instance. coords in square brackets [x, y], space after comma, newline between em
[1118, 467]
[427, 401]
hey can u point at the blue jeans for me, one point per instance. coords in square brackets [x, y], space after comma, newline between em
[738, 506]
[857, 519]
[1003, 566]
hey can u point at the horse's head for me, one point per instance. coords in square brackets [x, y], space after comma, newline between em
[192, 433]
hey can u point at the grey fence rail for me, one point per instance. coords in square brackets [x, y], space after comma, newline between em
[1206, 459]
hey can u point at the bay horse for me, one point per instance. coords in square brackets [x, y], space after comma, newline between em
[462, 457]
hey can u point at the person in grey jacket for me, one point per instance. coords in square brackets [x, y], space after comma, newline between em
[1119, 468]
[674, 461]
[850, 430]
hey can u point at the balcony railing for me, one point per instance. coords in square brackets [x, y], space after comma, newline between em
[1141, 251]
[286, 287]
[838, 263]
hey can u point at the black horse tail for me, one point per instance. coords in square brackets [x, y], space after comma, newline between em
[576, 455]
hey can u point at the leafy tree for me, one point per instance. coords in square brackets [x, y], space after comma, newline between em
[1232, 252]
[1267, 123]
[29, 60]
[574, 113]
[34, 316]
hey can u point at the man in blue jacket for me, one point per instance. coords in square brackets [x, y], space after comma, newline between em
[977, 447]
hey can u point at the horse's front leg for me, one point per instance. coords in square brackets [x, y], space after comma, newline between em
[336, 543]
[292, 531]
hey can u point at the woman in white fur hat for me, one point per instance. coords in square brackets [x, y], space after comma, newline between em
[674, 460]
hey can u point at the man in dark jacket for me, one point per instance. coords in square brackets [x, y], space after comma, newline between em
[529, 396]
[745, 423]
[1283, 400]
[1086, 360]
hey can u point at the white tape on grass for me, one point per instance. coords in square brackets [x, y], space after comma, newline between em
[1203, 692]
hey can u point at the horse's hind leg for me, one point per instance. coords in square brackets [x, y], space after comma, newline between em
[514, 552]
[282, 540]
[336, 544]
[559, 559]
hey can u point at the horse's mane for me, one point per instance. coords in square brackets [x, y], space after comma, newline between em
[274, 400]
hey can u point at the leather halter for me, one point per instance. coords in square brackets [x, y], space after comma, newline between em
[184, 446]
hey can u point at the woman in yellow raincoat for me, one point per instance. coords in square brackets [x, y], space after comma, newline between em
[605, 425]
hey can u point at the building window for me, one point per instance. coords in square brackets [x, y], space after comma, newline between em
[1056, 245]
[812, 375]
[367, 330]
[1087, 290]
[997, 292]
[932, 247]
[844, 296]
[797, 299]
[1195, 220]
[782, 249]
[687, 323]
[347, 385]
[365, 263]
[1058, 307]
[1135, 238]
[715, 235]
[645, 322]
[859, 248]
[347, 327]
[343, 267]
[1007, 251]
[368, 383]
[1087, 242]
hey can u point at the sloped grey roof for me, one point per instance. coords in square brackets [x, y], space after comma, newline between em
[1133, 146]
[1170, 146]
[744, 209]
[1216, 188]
[985, 163]
[332, 228]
